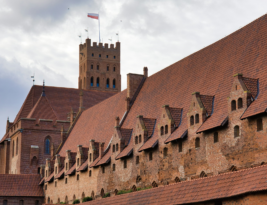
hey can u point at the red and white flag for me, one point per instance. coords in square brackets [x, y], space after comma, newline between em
[92, 15]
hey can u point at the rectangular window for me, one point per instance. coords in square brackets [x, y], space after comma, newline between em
[150, 156]
[125, 164]
[78, 177]
[92, 66]
[103, 170]
[114, 167]
[55, 184]
[137, 159]
[107, 56]
[92, 54]
[180, 146]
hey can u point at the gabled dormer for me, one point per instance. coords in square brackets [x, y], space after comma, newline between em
[200, 109]
[69, 160]
[49, 168]
[59, 163]
[93, 152]
[82, 153]
[243, 92]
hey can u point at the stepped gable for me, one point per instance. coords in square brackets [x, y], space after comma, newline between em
[96, 123]
[196, 191]
[209, 71]
[61, 100]
[42, 110]
[20, 185]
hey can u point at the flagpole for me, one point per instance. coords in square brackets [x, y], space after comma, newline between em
[99, 26]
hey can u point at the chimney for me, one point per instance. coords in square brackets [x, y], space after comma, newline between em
[145, 72]
[81, 101]
[101, 149]
[117, 122]
[133, 82]
[238, 75]
[127, 102]
[7, 124]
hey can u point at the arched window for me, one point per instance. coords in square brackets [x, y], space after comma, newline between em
[66, 180]
[114, 83]
[165, 152]
[236, 131]
[114, 69]
[154, 184]
[137, 160]
[74, 197]
[34, 161]
[216, 137]
[138, 179]
[90, 173]
[92, 81]
[5, 202]
[150, 156]
[92, 66]
[102, 193]
[107, 68]
[202, 174]
[140, 138]
[17, 146]
[134, 188]
[259, 124]
[83, 195]
[125, 164]
[97, 67]
[90, 157]
[97, 82]
[166, 129]
[233, 168]
[162, 130]
[13, 148]
[197, 142]
[116, 191]
[66, 200]
[108, 83]
[136, 139]
[113, 147]
[177, 179]
[47, 146]
[48, 200]
[117, 147]
[114, 167]
[192, 120]
[233, 105]
[240, 103]
[78, 177]
[197, 118]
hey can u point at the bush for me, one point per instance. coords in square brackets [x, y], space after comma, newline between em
[139, 189]
[62, 203]
[124, 191]
[88, 198]
[106, 195]
[76, 201]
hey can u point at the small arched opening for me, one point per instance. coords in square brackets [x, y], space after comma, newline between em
[240, 103]
[203, 174]
[97, 82]
[161, 130]
[102, 193]
[154, 184]
[138, 179]
[177, 179]
[192, 120]
[233, 168]
[92, 82]
[236, 131]
[114, 83]
[197, 142]
[107, 85]
[66, 200]
[134, 188]
[233, 105]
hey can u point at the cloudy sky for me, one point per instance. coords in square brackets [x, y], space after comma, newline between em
[41, 37]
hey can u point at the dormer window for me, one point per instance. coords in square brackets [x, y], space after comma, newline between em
[240, 103]
[233, 105]
[192, 120]
[197, 118]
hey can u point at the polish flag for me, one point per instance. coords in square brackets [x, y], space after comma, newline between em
[92, 15]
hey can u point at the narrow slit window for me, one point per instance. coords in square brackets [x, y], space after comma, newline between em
[114, 83]
[140, 138]
[233, 105]
[137, 159]
[114, 167]
[259, 124]
[240, 103]
[125, 164]
[166, 129]
[216, 137]
[197, 142]
[197, 119]
[107, 83]
[162, 130]
[92, 81]
[136, 140]
[97, 82]
[180, 146]
[150, 156]
[192, 120]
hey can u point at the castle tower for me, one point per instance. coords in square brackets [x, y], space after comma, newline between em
[99, 67]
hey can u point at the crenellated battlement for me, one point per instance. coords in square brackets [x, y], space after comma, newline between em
[87, 45]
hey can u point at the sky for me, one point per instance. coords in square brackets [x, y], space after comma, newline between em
[42, 37]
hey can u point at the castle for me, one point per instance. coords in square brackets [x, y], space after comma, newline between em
[193, 133]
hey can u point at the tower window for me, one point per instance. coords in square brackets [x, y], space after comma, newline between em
[150, 156]
[92, 66]
[259, 125]
[114, 167]
[92, 54]
[137, 160]
[92, 81]
[236, 131]
[97, 67]
[114, 83]
[197, 118]
[107, 56]
[107, 68]
[99, 55]
[114, 69]
[192, 120]
[233, 105]
[108, 83]
[197, 142]
[240, 103]
[114, 57]
[216, 137]
[97, 82]
[47, 146]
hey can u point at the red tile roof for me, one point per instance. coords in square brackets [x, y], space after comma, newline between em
[176, 114]
[207, 102]
[83, 167]
[96, 123]
[50, 178]
[199, 190]
[60, 174]
[105, 159]
[252, 86]
[71, 170]
[20, 185]
[150, 125]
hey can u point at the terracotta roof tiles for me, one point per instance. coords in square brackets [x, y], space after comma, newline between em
[71, 170]
[83, 167]
[20, 185]
[252, 85]
[199, 190]
[176, 114]
[60, 174]
[105, 159]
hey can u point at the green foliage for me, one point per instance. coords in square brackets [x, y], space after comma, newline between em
[139, 189]
[76, 201]
[88, 198]
[124, 191]
[62, 203]
[106, 195]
